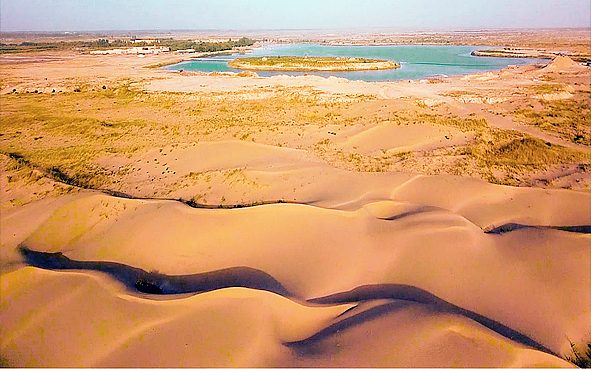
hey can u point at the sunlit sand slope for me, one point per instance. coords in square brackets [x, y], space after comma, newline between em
[88, 320]
[441, 271]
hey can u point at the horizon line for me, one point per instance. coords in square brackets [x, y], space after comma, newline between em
[339, 29]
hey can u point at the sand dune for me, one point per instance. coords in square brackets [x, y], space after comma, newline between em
[563, 64]
[312, 252]
[391, 137]
[231, 253]
[211, 329]
[473, 273]
[277, 173]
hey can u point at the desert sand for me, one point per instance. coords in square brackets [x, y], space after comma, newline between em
[219, 251]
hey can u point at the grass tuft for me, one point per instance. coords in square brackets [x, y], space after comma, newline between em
[570, 119]
[580, 359]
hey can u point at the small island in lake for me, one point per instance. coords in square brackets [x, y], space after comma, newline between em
[305, 63]
[510, 52]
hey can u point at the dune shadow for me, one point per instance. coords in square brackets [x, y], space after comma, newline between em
[411, 294]
[421, 210]
[509, 227]
[160, 284]
[195, 204]
[310, 345]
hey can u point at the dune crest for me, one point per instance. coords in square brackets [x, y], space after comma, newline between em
[410, 240]
[139, 332]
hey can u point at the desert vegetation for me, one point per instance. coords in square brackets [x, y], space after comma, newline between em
[305, 63]
[63, 134]
[581, 358]
[103, 43]
[569, 118]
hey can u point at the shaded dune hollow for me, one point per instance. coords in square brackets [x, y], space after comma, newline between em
[155, 283]
[160, 284]
[406, 280]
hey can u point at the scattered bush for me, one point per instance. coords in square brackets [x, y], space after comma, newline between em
[582, 360]
[568, 118]
[143, 285]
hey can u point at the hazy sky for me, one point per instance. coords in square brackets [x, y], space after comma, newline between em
[83, 15]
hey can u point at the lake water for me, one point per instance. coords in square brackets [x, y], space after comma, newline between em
[416, 61]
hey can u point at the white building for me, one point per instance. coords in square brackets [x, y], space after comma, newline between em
[153, 50]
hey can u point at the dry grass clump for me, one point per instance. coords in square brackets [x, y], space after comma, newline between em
[463, 124]
[548, 88]
[570, 119]
[247, 73]
[458, 93]
[532, 151]
[62, 135]
[580, 359]
[499, 156]
[354, 161]
[23, 183]
[16, 168]
[65, 133]
[504, 157]
[367, 163]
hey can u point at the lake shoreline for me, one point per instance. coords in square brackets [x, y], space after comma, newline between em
[416, 61]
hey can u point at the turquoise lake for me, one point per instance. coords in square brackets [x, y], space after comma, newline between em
[416, 61]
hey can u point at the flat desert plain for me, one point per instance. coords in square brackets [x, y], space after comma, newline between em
[151, 218]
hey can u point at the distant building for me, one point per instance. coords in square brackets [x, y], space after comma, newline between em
[144, 41]
[214, 40]
[154, 50]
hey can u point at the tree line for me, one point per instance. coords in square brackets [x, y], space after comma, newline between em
[102, 43]
[202, 46]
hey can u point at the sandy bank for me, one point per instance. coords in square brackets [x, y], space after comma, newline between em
[310, 64]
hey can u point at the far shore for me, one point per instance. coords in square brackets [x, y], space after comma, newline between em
[530, 53]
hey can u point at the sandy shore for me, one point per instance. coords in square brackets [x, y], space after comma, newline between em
[312, 64]
[292, 238]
